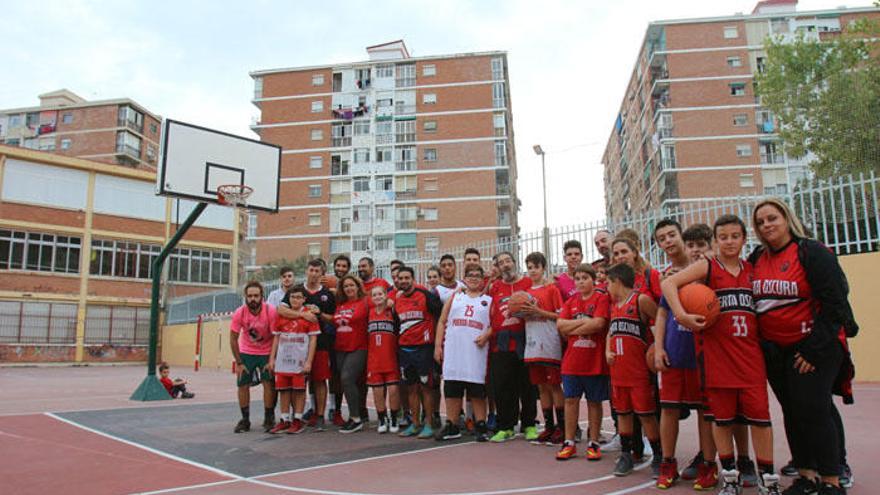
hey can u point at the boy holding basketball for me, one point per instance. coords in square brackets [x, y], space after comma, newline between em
[625, 348]
[731, 358]
[584, 322]
[293, 351]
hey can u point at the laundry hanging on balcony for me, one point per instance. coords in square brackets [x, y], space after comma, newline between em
[351, 112]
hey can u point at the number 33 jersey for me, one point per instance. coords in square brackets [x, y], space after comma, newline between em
[731, 354]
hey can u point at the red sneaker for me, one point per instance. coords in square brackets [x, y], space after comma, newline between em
[668, 475]
[594, 453]
[281, 426]
[557, 437]
[296, 426]
[707, 476]
[337, 419]
[567, 451]
[312, 421]
[544, 437]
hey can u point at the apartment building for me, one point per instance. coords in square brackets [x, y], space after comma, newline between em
[387, 157]
[690, 127]
[77, 243]
[117, 131]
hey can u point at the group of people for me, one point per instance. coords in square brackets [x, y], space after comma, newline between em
[614, 329]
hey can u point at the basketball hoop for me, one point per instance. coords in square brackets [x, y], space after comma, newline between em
[234, 195]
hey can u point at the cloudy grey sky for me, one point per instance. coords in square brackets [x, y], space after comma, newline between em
[189, 60]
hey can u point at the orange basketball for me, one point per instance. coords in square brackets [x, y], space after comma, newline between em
[697, 299]
[329, 281]
[649, 358]
[516, 302]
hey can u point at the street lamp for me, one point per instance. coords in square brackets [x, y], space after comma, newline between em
[546, 232]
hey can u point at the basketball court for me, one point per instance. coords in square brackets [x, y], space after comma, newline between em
[72, 430]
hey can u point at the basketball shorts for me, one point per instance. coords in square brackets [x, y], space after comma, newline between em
[417, 365]
[593, 387]
[320, 367]
[290, 381]
[544, 374]
[455, 389]
[381, 379]
[680, 388]
[739, 405]
[256, 370]
[637, 399]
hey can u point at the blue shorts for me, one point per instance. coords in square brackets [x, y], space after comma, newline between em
[596, 388]
[417, 365]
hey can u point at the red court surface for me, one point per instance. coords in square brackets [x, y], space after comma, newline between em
[73, 431]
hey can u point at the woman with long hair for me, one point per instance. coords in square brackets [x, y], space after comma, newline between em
[351, 316]
[800, 293]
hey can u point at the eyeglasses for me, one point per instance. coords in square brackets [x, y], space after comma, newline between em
[473, 275]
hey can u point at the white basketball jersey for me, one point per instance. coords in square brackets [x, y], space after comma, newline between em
[444, 292]
[463, 359]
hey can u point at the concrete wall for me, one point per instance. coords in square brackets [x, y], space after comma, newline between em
[179, 345]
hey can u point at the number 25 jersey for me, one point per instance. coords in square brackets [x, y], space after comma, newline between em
[731, 352]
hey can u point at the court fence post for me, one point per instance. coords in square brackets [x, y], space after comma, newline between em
[151, 388]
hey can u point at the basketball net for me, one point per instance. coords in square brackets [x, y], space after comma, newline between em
[234, 195]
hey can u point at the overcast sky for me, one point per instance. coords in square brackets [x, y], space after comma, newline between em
[189, 60]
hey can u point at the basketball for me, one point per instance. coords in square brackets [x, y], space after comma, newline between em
[697, 299]
[329, 281]
[649, 358]
[516, 302]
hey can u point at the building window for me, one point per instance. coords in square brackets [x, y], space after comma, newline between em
[361, 184]
[737, 89]
[360, 243]
[318, 80]
[252, 225]
[429, 70]
[384, 243]
[317, 134]
[430, 214]
[405, 131]
[361, 155]
[384, 154]
[498, 99]
[153, 128]
[432, 245]
[499, 122]
[131, 118]
[430, 126]
[361, 127]
[258, 87]
[730, 32]
[338, 166]
[316, 162]
[314, 249]
[431, 184]
[497, 68]
[315, 190]
[501, 153]
[746, 180]
[430, 155]
[39, 252]
[65, 144]
[429, 98]
[340, 246]
[406, 75]
[734, 62]
[406, 184]
[67, 118]
[385, 70]
[384, 183]
[360, 214]
[317, 106]
[314, 219]
[128, 143]
[743, 150]
[740, 119]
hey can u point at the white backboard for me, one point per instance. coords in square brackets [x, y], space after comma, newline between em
[194, 161]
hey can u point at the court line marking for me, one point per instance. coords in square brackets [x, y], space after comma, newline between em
[188, 487]
[144, 447]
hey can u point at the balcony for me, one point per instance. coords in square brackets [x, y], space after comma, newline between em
[363, 84]
[405, 224]
[406, 194]
[664, 132]
[128, 124]
[384, 138]
[405, 137]
[349, 113]
[405, 165]
[131, 151]
[766, 127]
[667, 162]
[338, 142]
[402, 109]
[772, 158]
[405, 82]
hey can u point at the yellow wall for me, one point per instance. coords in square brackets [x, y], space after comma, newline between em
[862, 270]
[178, 345]
[863, 273]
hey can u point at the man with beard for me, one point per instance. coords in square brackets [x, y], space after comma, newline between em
[514, 393]
[275, 297]
[602, 240]
[449, 285]
[341, 266]
[250, 337]
[365, 272]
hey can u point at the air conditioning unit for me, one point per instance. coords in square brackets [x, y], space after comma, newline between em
[420, 213]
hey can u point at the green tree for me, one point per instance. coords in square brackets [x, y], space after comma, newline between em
[272, 271]
[826, 95]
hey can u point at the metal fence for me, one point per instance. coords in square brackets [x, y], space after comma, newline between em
[55, 323]
[842, 213]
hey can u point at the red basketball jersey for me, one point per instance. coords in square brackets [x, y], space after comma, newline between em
[382, 350]
[585, 354]
[351, 325]
[630, 338]
[648, 283]
[783, 297]
[731, 354]
[500, 292]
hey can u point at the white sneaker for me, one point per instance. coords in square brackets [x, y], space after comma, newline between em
[730, 482]
[769, 485]
[648, 452]
[394, 428]
[382, 428]
[612, 445]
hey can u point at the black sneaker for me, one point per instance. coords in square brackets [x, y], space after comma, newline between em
[308, 414]
[482, 431]
[692, 471]
[747, 472]
[829, 489]
[450, 431]
[268, 423]
[187, 395]
[846, 476]
[624, 465]
[242, 426]
[352, 426]
[802, 486]
[789, 470]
